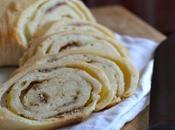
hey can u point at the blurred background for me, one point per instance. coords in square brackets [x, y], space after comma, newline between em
[158, 13]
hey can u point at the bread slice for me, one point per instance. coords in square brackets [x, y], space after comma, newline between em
[21, 19]
[49, 96]
[74, 40]
[74, 25]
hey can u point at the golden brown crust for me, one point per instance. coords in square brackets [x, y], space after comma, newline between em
[10, 47]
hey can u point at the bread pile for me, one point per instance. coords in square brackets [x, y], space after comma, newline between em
[70, 66]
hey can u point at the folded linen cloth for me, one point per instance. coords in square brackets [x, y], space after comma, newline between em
[140, 52]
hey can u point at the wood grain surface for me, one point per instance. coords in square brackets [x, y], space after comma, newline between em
[124, 22]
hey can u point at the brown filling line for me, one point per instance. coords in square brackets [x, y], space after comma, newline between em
[54, 7]
[79, 24]
[41, 97]
[52, 60]
[69, 46]
[90, 61]
[47, 70]
[4, 99]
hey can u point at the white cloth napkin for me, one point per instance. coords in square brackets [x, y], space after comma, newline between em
[140, 51]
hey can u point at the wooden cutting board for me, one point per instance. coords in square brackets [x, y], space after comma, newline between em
[124, 22]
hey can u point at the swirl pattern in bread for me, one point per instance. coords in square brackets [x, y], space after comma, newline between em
[121, 73]
[74, 40]
[50, 96]
[21, 19]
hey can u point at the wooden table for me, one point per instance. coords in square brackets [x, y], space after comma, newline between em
[122, 21]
